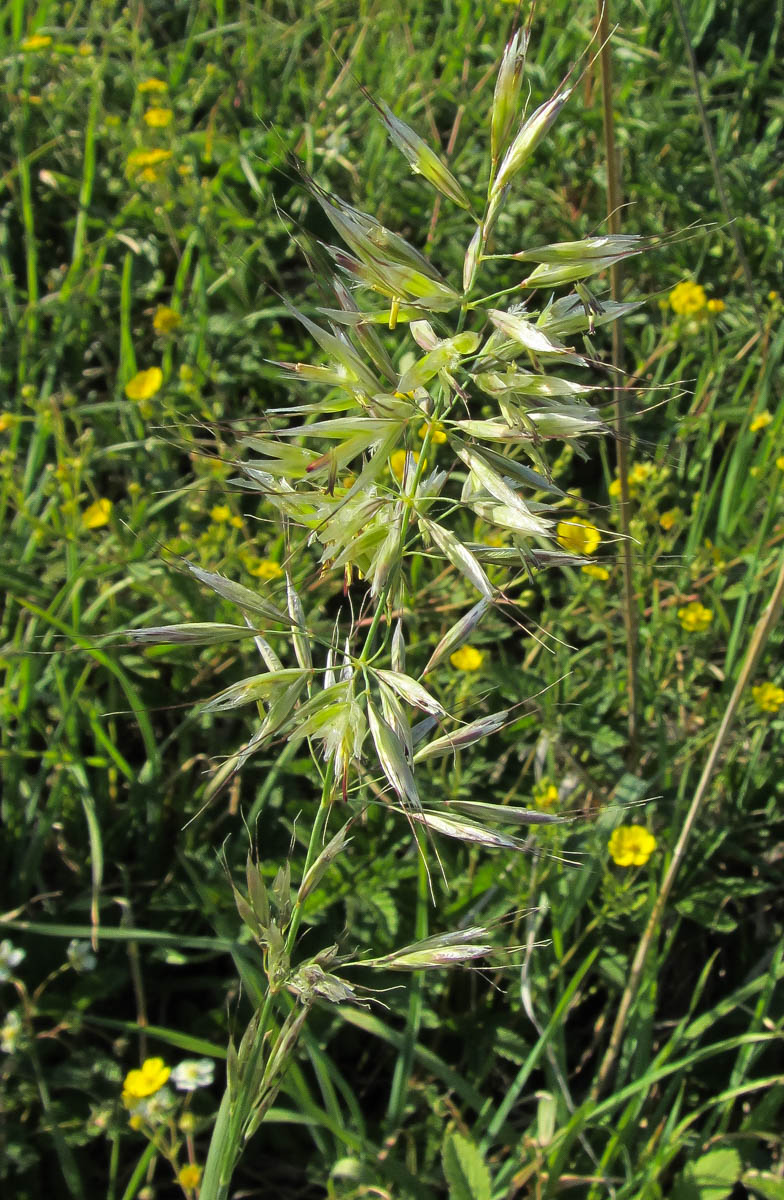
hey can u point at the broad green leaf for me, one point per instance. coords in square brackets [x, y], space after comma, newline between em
[769, 1187]
[712, 1176]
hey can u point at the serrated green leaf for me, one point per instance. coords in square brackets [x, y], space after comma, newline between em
[465, 1169]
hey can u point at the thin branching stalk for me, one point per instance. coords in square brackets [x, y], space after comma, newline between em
[759, 640]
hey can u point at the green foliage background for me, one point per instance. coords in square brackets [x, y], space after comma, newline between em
[104, 752]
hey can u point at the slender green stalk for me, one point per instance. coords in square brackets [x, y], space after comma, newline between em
[65, 1155]
[718, 178]
[140, 1171]
[496, 1122]
[759, 639]
[405, 1060]
[229, 1134]
[619, 390]
[114, 1164]
[30, 323]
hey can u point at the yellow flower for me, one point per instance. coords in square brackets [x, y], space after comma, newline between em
[146, 164]
[97, 514]
[545, 794]
[631, 845]
[761, 421]
[578, 537]
[152, 85]
[158, 118]
[716, 306]
[688, 298]
[694, 617]
[38, 41]
[189, 1177]
[6, 421]
[773, 297]
[467, 658]
[397, 462]
[641, 473]
[145, 384]
[165, 320]
[437, 435]
[716, 554]
[768, 697]
[780, 462]
[267, 569]
[595, 571]
[670, 518]
[220, 514]
[145, 1081]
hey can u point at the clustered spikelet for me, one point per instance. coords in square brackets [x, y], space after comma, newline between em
[454, 409]
[374, 465]
[429, 401]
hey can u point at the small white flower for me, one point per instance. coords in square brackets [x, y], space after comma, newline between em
[10, 957]
[10, 1031]
[80, 956]
[193, 1073]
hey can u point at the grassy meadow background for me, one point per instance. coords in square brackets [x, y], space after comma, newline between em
[148, 219]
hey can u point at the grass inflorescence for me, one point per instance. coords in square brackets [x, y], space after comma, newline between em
[309, 543]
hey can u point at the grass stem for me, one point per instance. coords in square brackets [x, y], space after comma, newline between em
[759, 638]
[718, 179]
[619, 390]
